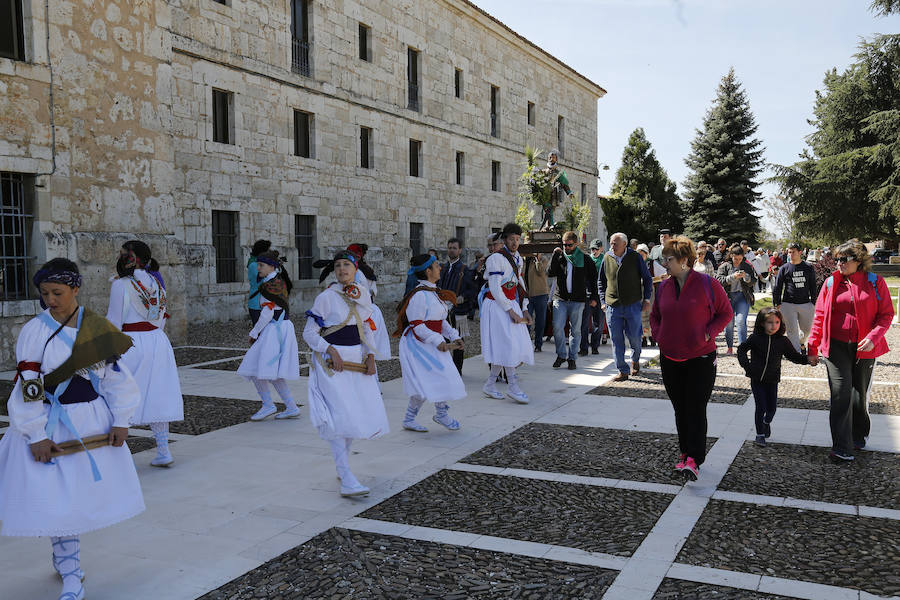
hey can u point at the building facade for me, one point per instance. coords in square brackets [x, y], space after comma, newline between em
[200, 126]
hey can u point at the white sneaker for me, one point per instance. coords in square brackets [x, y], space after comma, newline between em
[492, 392]
[518, 395]
[413, 426]
[264, 413]
[350, 486]
[292, 413]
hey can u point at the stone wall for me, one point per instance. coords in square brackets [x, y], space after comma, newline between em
[134, 154]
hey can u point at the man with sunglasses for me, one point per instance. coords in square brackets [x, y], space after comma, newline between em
[576, 277]
[720, 252]
[794, 295]
[625, 287]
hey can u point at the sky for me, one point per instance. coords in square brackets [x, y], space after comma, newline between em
[660, 62]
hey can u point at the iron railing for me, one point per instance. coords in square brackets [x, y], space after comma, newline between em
[14, 222]
[300, 57]
[413, 96]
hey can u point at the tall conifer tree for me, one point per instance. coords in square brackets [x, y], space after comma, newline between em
[725, 160]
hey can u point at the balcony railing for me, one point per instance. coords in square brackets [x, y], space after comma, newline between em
[493, 125]
[413, 96]
[300, 57]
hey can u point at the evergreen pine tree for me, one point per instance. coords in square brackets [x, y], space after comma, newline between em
[646, 193]
[725, 160]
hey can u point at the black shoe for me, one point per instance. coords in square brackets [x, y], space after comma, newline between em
[571, 365]
[582, 352]
[558, 362]
[595, 351]
[767, 429]
[643, 342]
[840, 456]
[537, 349]
[859, 444]
[760, 441]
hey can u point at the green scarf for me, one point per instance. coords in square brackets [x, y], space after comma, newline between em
[598, 261]
[576, 258]
[97, 341]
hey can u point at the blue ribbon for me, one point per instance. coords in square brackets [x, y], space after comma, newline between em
[319, 320]
[278, 328]
[421, 267]
[429, 362]
[57, 413]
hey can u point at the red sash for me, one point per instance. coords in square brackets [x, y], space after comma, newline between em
[436, 326]
[510, 293]
[139, 326]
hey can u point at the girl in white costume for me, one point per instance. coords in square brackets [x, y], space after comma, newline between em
[137, 306]
[344, 399]
[273, 357]
[89, 395]
[505, 343]
[428, 370]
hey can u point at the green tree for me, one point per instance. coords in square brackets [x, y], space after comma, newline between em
[644, 192]
[847, 182]
[725, 160]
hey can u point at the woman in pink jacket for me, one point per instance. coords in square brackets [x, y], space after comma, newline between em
[853, 312]
[690, 310]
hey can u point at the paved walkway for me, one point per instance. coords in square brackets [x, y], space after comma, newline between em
[240, 496]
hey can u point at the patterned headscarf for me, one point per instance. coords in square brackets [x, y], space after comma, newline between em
[69, 278]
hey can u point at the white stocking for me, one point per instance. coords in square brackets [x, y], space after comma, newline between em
[281, 387]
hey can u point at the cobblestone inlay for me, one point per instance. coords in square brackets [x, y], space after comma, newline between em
[203, 414]
[649, 385]
[883, 399]
[805, 472]
[679, 589]
[191, 355]
[6, 388]
[588, 451]
[596, 519]
[819, 547]
[137, 443]
[340, 563]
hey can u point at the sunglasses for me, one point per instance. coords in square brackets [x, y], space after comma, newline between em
[568, 245]
[844, 259]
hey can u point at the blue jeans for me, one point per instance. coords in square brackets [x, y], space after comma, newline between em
[625, 321]
[741, 307]
[537, 308]
[591, 326]
[562, 310]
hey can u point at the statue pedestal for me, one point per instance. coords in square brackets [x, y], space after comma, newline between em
[542, 242]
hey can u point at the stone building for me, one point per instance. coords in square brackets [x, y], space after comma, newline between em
[200, 126]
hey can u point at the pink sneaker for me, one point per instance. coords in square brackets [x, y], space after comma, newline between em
[691, 469]
[679, 466]
[729, 351]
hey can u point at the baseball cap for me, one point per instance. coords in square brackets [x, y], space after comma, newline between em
[794, 245]
[596, 244]
[644, 248]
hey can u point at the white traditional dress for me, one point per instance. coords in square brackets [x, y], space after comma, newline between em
[427, 372]
[503, 342]
[137, 306]
[382, 335]
[274, 354]
[62, 498]
[345, 404]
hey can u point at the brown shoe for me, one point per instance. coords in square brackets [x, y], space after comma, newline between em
[620, 377]
[635, 368]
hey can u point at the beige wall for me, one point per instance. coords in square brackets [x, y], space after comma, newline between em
[135, 156]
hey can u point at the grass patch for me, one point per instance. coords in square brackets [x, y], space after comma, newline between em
[760, 304]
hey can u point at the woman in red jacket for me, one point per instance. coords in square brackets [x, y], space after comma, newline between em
[853, 312]
[690, 310]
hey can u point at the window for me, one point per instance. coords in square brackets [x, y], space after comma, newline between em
[305, 240]
[303, 141]
[495, 107]
[458, 82]
[530, 113]
[495, 230]
[415, 158]
[416, 233]
[365, 43]
[495, 175]
[225, 2]
[16, 200]
[365, 147]
[583, 192]
[222, 117]
[460, 168]
[225, 242]
[12, 37]
[412, 78]
[461, 236]
[300, 37]
[560, 135]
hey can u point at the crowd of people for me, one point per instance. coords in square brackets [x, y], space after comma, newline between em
[83, 379]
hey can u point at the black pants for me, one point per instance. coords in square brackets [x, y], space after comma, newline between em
[689, 385]
[766, 397]
[849, 379]
[458, 355]
[254, 315]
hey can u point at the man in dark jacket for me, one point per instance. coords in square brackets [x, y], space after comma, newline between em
[794, 295]
[576, 277]
[459, 279]
[625, 287]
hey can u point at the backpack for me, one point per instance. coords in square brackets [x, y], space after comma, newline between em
[872, 277]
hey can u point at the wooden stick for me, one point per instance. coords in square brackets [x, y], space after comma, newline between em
[351, 366]
[74, 446]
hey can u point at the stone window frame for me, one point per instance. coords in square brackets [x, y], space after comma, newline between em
[415, 158]
[17, 236]
[460, 234]
[369, 144]
[306, 243]
[583, 192]
[15, 11]
[413, 78]
[460, 170]
[417, 238]
[222, 2]
[496, 176]
[364, 41]
[458, 83]
[531, 114]
[216, 113]
[310, 134]
[561, 135]
[226, 265]
[494, 112]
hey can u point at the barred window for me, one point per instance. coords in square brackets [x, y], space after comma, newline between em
[416, 233]
[305, 240]
[12, 39]
[16, 193]
[225, 242]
